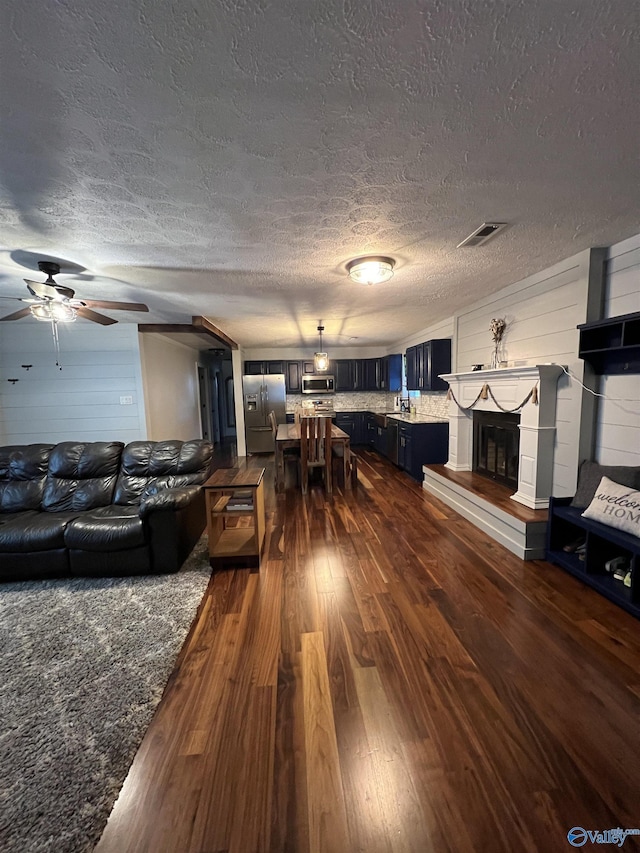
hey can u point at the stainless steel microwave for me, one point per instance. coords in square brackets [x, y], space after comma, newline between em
[318, 383]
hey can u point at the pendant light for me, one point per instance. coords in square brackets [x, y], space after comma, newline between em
[320, 359]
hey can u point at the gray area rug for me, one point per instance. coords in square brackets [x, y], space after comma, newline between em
[83, 664]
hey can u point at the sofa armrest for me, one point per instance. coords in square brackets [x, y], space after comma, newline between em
[169, 499]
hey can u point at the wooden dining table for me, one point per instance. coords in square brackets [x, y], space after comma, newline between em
[288, 435]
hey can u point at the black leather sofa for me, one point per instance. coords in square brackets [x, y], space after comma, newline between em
[100, 508]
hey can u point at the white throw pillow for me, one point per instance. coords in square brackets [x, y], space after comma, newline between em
[615, 505]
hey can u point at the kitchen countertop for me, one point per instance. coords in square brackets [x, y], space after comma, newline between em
[405, 417]
[418, 418]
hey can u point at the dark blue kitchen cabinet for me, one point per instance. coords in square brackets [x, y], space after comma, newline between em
[257, 368]
[422, 444]
[412, 368]
[343, 369]
[293, 377]
[436, 360]
[425, 362]
[380, 441]
[393, 372]
[369, 437]
[404, 447]
[354, 424]
[359, 377]
[347, 422]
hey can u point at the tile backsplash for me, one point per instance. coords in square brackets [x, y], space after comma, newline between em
[352, 401]
[434, 404]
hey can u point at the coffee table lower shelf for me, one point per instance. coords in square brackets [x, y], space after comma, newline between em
[236, 536]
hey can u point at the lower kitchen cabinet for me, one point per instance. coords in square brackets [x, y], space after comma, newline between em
[422, 444]
[353, 424]
[380, 440]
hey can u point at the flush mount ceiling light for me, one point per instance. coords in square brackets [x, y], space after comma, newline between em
[372, 269]
[320, 359]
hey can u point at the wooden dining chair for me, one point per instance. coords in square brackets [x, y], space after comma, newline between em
[315, 449]
[274, 424]
[291, 454]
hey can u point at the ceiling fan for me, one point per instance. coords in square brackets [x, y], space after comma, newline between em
[52, 302]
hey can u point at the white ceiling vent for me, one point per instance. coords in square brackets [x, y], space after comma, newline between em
[482, 234]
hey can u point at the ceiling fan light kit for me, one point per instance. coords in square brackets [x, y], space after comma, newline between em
[57, 312]
[371, 269]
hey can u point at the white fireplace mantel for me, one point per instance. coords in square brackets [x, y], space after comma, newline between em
[510, 386]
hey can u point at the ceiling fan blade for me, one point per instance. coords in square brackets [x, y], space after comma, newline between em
[39, 288]
[97, 318]
[116, 306]
[17, 315]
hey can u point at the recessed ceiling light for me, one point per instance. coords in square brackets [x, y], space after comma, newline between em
[372, 269]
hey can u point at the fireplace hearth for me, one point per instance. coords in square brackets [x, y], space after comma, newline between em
[496, 439]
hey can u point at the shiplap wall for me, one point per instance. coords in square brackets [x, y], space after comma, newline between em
[618, 437]
[542, 312]
[100, 364]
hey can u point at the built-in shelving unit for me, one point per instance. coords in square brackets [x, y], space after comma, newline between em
[567, 527]
[613, 345]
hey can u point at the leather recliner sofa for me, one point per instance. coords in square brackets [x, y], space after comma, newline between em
[100, 508]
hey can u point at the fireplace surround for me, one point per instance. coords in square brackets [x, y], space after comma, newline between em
[510, 386]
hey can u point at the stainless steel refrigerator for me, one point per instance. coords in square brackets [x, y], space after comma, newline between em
[262, 394]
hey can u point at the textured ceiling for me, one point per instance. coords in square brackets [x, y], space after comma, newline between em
[227, 159]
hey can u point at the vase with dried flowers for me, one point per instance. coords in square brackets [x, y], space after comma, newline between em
[497, 331]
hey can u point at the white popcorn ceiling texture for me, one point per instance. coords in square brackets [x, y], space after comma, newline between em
[228, 158]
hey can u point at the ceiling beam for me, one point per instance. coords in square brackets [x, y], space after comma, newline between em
[198, 326]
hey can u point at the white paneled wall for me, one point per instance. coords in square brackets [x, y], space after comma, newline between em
[542, 312]
[97, 396]
[170, 373]
[618, 438]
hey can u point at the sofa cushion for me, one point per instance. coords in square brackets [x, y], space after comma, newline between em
[27, 531]
[23, 471]
[109, 528]
[150, 466]
[592, 472]
[81, 475]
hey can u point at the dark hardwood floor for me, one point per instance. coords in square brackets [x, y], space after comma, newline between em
[390, 680]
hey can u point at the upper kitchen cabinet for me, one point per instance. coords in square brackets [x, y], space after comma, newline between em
[292, 372]
[293, 377]
[343, 369]
[392, 372]
[258, 368]
[425, 362]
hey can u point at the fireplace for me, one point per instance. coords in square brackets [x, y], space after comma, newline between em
[512, 388]
[496, 439]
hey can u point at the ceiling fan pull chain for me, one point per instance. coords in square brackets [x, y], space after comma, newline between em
[56, 343]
